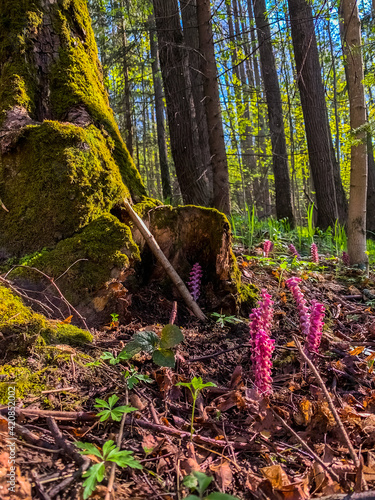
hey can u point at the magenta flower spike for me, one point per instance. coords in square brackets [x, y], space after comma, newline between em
[195, 281]
[316, 326]
[267, 247]
[293, 249]
[314, 253]
[303, 312]
[262, 345]
[345, 259]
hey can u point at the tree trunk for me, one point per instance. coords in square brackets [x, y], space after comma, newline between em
[127, 92]
[174, 61]
[284, 208]
[191, 38]
[330, 195]
[221, 196]
[159, 112]
[357, 107]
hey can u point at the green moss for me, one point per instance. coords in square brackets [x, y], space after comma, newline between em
[61, 177]
[17, 319]
[145, 206]
[25, 381]
[67, 334]
[249, 295]
[107, 247]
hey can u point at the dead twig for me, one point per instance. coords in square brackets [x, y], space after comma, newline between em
[71, 451]
[58, 415]
[171, 272]
[30, 437]
[333, 475]
[42, 494]
[111, 480]
[6, 283]
[61, 295]
[330, 403]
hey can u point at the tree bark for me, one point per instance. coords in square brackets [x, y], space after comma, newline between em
[284, 208]
[191, 38]
[221, 196]
[330, 195]
[159, 112]
[357, 108]
[174, 62]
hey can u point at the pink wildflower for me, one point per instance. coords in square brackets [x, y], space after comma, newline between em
[195, 281]
[303, 312]
[293, 249]
[267, 247]
[345, 259]
[262, 345]
[316, 326]
[314, 253]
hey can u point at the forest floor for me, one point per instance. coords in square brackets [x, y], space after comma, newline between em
[239, 438]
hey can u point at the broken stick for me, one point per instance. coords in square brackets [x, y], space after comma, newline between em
[177, 281]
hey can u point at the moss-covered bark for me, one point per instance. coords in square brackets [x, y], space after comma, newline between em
[55, 175]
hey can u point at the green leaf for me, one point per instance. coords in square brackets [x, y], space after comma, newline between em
[88, 449]
[124, 459]
[108, 356]
[191, 497]
[95, 474]
[142, 341]
[190, 481]
[108, 446]
[220, 496]
[100, 403]
[164, 357]
[124, 355]
[171, 335]
[204, 481]
[104, 415]
[113, 400]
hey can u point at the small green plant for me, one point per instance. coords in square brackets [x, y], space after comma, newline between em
[310, 222]
[109, 409]
[159, 347]
[195, 387]
[110, 453]
[133, 378]
[221, 319]
[199, 482]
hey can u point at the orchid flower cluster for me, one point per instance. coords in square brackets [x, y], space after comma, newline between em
[311, 321]
[314, 253]
[195, 281]
[262, 346]
[267, 247]
[293, 249]
[345, 259]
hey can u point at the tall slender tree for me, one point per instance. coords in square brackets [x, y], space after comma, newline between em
[330, 196]
[174, 62]
[358, 161]
[221, 196]
[159, 112]
[284, 208]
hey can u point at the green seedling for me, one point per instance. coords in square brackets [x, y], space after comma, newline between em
[110, 411]
[151, 343]
[199, 482]
[195, 387]
[221, 319]
[310, 222]
[132, 378]
[110, 453]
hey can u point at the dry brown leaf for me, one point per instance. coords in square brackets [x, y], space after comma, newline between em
[151, 444]
[357, 350]
[276, 475]
[303, 417]
[223, 474]
[231, 399]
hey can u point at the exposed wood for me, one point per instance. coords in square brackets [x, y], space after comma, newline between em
[177, 281]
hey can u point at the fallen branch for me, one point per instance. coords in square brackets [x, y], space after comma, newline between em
[29, 436]
[42, 494]
[304, 445]
[177, 281]
[58, 415]
[330, 403]
[71, 451]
